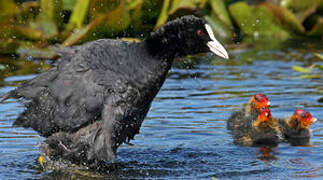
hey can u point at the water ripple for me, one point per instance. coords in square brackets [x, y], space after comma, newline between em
[184, 135]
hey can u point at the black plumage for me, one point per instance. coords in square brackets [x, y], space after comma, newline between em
[97, 95]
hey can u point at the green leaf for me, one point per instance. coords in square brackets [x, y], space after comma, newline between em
[49, 19]
[320, 5]
[319, 55]
[302, 15]
[103, 26]
[319, 66]
[317, 30]
[151, 10]
[7, 31]
[135, 7]
[51, 10]
[77, 36]
[218, 7]
[45, 25]
[135, 3]
[101, 7]
[301, 69]
[286, 17]
[310, 76]
[28, 33]
[257, 21]
[298, 5]
[163, 16]
[19, 32]
[220, 29]
[117, 20]
[69, 4]
[302, 9]
[178, 5]
[7, 10]
[79, 13]
[8, 46]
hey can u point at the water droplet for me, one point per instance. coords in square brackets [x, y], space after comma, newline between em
[256, 34]
[29, 58]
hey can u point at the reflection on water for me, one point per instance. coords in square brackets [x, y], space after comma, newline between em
[267, 154]
[184, 134]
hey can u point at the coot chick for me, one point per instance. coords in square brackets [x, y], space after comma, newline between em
[263, 130]
[251, 111]
[295, 129]
[98, 94]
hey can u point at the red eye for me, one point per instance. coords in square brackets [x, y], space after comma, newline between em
[200, 33]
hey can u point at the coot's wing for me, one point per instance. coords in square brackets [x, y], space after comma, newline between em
[74, 97]
[32, 88]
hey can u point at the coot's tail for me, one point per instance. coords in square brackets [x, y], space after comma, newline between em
[32, 88]
[8, 95]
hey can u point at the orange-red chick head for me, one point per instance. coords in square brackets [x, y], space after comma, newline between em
[264, 115]
[304, 118]
[259, 101]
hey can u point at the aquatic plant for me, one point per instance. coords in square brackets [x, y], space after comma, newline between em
[31, 26]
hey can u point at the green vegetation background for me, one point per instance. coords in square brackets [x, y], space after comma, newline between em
[34, 26]
[37, 28]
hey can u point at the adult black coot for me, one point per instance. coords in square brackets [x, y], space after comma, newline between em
[98, 94]
[295, 128]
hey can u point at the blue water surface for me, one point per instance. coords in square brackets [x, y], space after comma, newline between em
[184, 135]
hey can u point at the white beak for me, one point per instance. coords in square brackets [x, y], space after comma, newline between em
[268, 104]
[314, 119]
[214, 45]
